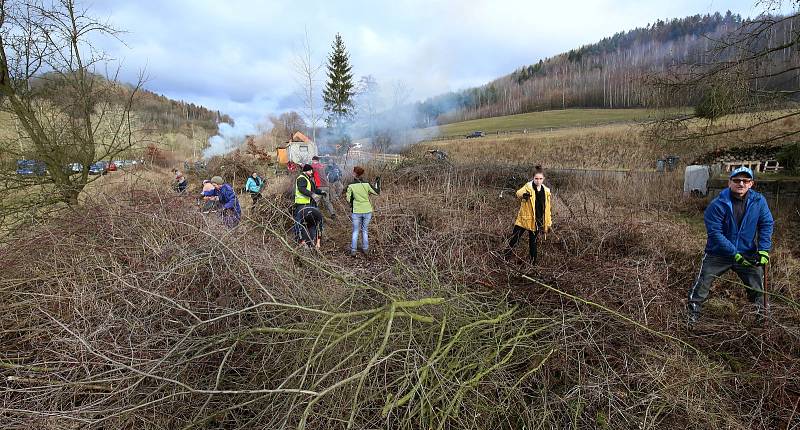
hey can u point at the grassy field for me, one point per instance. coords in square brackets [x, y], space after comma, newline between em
[547, 120]
[614, 146]
[567, 139]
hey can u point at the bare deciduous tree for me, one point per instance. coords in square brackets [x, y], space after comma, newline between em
[286, 124]
[307, 70]
[401, 92]
[752, 70]
[368, 102]
[67, 110]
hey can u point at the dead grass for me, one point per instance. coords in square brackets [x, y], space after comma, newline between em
[603, 147]
[614, 146]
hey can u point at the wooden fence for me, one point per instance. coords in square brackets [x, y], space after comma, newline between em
[355, 156]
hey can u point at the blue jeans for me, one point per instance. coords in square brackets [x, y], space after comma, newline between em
[298, 221]
[360, 222]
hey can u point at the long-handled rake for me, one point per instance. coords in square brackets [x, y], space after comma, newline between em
[764, 287]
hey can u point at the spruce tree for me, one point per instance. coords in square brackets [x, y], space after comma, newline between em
[338, 92]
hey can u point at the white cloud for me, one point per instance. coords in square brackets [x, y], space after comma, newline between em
[236, 56]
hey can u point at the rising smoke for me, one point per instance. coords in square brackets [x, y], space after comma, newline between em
[228, 138]
[385, 120]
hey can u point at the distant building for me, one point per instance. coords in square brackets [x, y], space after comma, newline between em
[299, 150]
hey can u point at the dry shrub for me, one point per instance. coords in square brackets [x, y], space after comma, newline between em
[235, 168]
[623, 241]
[158, 157]
[146, 314]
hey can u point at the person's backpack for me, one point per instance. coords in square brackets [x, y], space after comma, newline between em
[334, 173]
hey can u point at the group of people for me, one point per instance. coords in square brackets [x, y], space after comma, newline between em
[738, 222]
[216, 195]
[314, 185]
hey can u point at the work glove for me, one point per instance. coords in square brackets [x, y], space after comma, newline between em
[739, 258]
[762, 259]
[526, 196]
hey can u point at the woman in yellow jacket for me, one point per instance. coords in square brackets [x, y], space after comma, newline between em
[534, 213]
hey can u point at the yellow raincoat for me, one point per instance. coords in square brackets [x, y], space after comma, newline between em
[526, 218]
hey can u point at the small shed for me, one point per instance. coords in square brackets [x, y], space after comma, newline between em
[298, 150]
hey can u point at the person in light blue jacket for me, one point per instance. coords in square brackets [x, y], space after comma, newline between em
[253, 186]
[739, 225]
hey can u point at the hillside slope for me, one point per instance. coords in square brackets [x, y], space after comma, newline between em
[611, 73]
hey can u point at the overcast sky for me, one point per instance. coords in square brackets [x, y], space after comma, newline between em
[236, 56]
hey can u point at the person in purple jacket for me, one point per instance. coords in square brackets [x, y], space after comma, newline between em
[739, 225]
[231, 211]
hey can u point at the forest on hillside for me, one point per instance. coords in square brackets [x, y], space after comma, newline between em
[168, 114]
[154, 110]
[615, 72]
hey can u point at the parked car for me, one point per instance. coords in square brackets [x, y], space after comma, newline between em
[73, 168]
[31, 167]
[98, 168]
[475, 134]
[200, 167]
[112, 167]
[124, 164]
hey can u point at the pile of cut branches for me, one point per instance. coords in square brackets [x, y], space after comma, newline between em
[148, 314]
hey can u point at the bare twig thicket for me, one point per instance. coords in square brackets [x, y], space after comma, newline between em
[139, 312]
[750, 70]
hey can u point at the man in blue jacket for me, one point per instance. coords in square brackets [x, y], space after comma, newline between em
[231, 212]
[739, 226]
